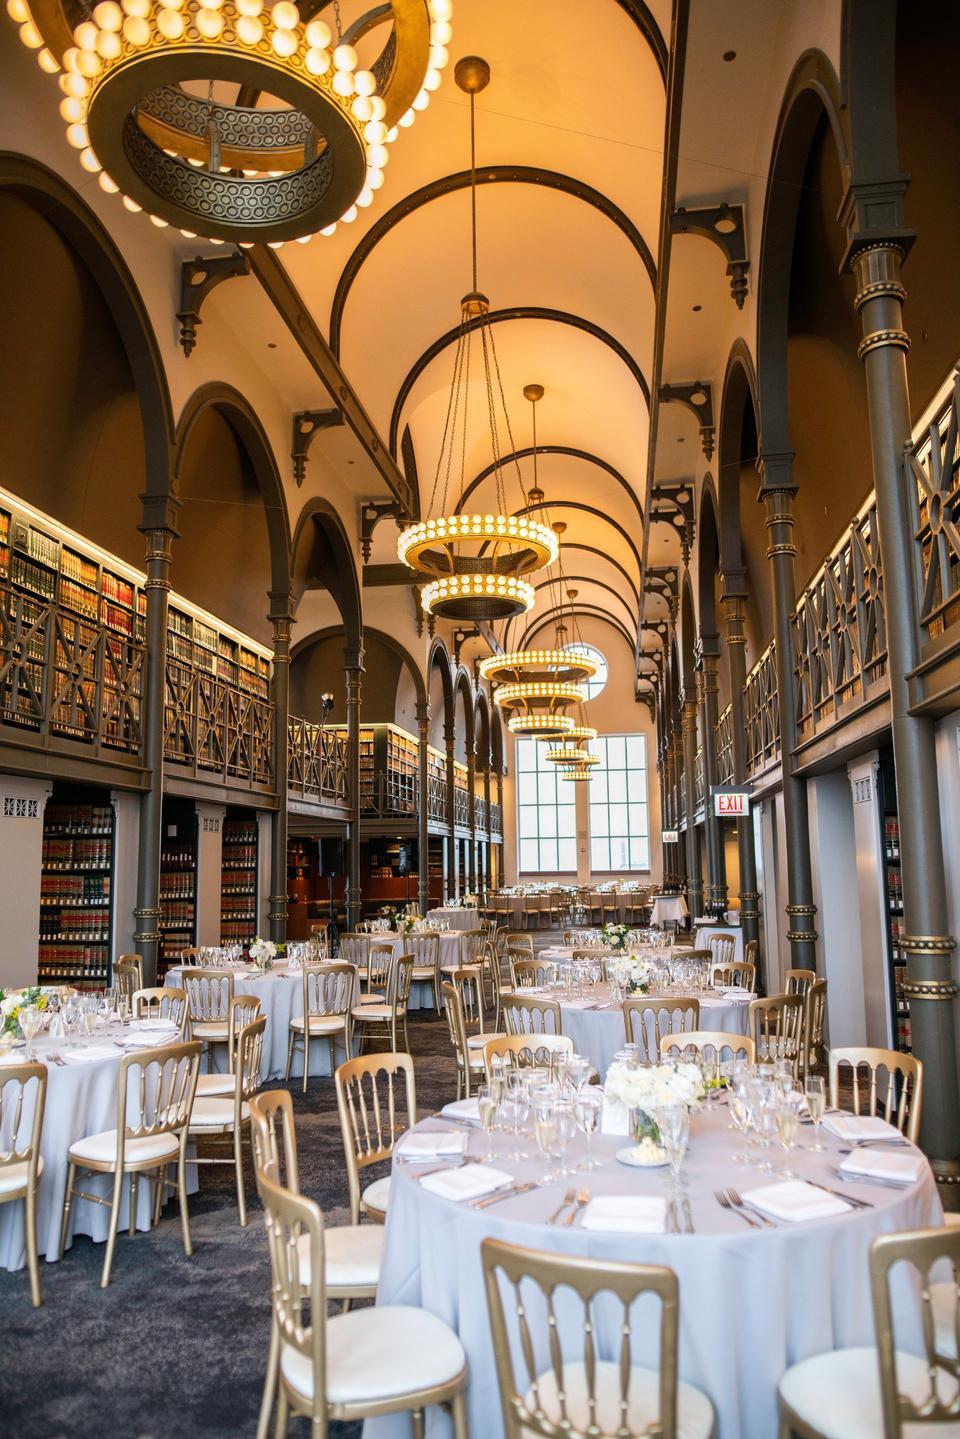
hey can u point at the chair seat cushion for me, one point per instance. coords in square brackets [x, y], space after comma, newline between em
[373, 998]
[380, 1353]
[210, 1029]
[372, 1012]
[213, 1111]
[839, 1393]
[376, 1195]
[102, 1148]
[321, 1023]
[13, 1177]
[467, 968]
[695, 1418]
[352, 1252]
[219, 1084]
[477, 1041]
[422, 972]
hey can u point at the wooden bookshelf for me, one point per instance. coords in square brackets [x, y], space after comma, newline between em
[76, 888]
[238, 891]
[178, 881]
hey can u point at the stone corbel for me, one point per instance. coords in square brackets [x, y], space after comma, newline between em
[371, 513]
[198, 278]
[698, 399]
[307, 424]
[725, 225]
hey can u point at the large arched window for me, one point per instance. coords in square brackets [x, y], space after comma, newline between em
[596, 684]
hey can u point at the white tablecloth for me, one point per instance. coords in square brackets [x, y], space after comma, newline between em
[457, 918]
[280, 992]
[81, 1100]
[703, 932]
[668, 909]
[752, 1302]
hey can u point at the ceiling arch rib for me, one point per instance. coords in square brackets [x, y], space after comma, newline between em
[567, 450]
[591, 594]
[605, 520]
[589, 612]
[489, 175]
[515, 312]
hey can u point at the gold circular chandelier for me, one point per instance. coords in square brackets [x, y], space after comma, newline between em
[160, 99]
[578, 775]
[566, 665]
[570, 751]
[475, 565]
[540, 724]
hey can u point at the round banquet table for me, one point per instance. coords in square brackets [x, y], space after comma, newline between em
[456, 918]
[596, 1024]
[752, 1301]
[81, 1100]
[668, 909]
[280, 992]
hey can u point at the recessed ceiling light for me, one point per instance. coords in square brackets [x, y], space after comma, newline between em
[271, 345]
[680, 439]
[697, 309]
[729, 55]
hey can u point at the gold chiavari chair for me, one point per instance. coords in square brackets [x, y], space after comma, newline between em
[521, 1050]
[188, 958]
[530, 910]
[702, 1041]
[595, 906]
[469, 1057]
[327, 1001]
[471, 951]
[544, 1311]
[355, 950]
[570, 937]
[528, 1014]
[155, 1094]
[425, 949]
[243, 1009]
[814, 1024]
[23, 1096]
[516, 939]
[377, 1102]
[419, 1361]
[609, 906]
[493, 972]
[798, 981]
[648, 1021]
[776, 1027]
[223, 1120]
[904, 1073]
[352, 1252]
[751, 952]
[530, 973]
[383, 1021]
[738, 975]
[721, 947]
[375, 975]
[209, 992]
[320, 935]
[128, 975]
[162, 1003]
[887, 1391]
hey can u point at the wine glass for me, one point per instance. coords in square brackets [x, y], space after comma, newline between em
[578, 1071]
[815, 1091]
[588, 1107]
[487, 1107]
[29, 1021]
[673, 1122]
[545, 1133]
[566, 1129]
[787, 1112]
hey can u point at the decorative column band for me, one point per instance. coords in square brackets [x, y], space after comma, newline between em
[879, 290]
[781, 517]
[773, 550]
[802, 936]
[940, 945]
[147, 935]
[874, 274]
[735, 639]
[881, 339]
[801, 909]
[930, 989]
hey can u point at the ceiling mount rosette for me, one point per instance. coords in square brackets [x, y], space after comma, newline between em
[151, 92]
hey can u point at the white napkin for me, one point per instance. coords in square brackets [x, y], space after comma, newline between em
[579, 1004]
[902, 1166]
[471, 1181]
[90, 1052]
[151, 1039]
[435, 1145]
[796, 1200]
[859, 1126]
[468, 1109]
[626, 1214]
[158, 1023]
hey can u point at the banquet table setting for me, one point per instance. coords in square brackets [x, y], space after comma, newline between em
[455, 916]
[771, 1254]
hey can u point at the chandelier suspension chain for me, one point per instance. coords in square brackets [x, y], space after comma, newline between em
[473, 186]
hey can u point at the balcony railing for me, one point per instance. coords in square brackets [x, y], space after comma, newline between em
[436, 797]
[496, 818]
[935, 466]
[724, 743]
[761, 706]
[481, 813]
[698, 778]
[66, 676]
[216, 727]
[840, 629]
[318, 767]
[461, 807]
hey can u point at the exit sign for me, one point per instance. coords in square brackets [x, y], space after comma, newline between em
[670, 836]
[731, 803]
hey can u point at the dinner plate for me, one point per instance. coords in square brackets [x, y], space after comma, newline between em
[629, 1156]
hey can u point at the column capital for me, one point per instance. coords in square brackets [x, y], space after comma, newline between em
[775, 468]
[423, 712]
[871, 212]
[159, 512]
[353, 660]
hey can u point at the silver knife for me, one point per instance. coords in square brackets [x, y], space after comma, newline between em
[687, 1216]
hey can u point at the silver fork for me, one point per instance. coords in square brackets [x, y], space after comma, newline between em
[582, 1198]
[724, 1203]
[739, 1203]
[569, 1198]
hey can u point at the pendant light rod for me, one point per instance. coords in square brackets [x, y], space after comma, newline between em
[472, 74]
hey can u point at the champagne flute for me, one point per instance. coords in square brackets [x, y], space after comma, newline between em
[90, 1019]
[545, 1133]
[566, 1128]
[487, 1107]
[788, 1116]
[29, 1021]
[123, 1007]
[588, 1108]
[815, 1092]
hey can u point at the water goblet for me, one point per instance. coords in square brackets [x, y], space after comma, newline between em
[566, 1128]
[787, 1110]
[578, 1071]
[673, 1122]
[588, 1107]
[815, 1092]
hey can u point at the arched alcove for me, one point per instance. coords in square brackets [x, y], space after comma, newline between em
[743, 533]
[440, 693]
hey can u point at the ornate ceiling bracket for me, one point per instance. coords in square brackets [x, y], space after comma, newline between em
[648, 698]
[460, 637]
[672, 504]
[698, 398]
[664, 580]
[307, 424]
[197, 279]
[725, 225]
[371, 513]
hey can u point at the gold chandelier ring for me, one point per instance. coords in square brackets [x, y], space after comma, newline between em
[517, 545]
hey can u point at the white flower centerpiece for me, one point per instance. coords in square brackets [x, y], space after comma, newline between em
[633, 973]
[263, 952]
[615, 936]
[644, 1089]
[408, 922]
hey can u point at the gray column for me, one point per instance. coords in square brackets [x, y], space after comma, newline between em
[716, 900]
[353, 669]
[423, 813]
[688, 732]
[159, 513]
[930, 986]
[777, 492]
[472, 821]
[676, 766]
[733, 601]
[281, 615]
[453, 866]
